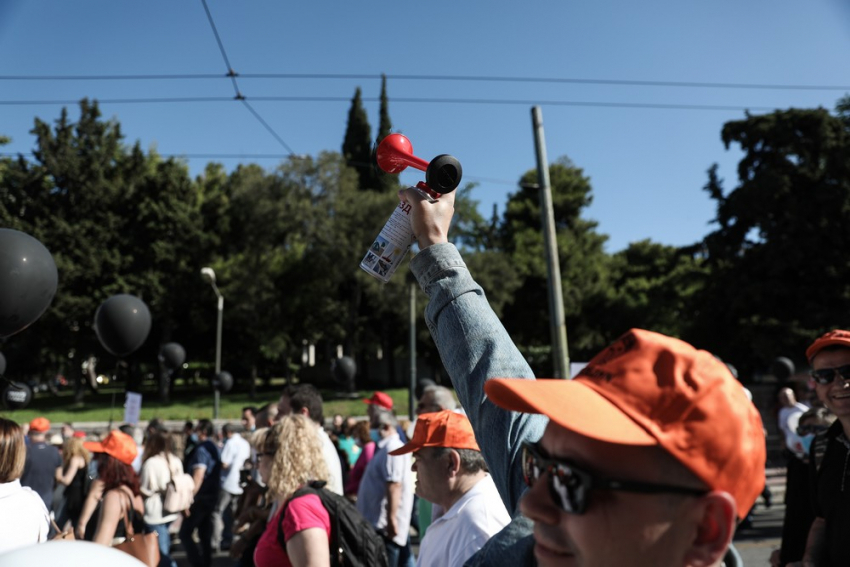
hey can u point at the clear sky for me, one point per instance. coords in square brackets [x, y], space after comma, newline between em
[645, 147]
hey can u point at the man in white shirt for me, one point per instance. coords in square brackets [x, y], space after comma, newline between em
[235, 452]
[306, 400]
[451, 472]
[385, 495]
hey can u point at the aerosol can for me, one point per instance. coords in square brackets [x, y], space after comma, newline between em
[442, 175]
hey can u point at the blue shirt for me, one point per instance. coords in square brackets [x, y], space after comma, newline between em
[206, 455]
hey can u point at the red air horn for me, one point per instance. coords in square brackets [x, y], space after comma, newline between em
[442, 174]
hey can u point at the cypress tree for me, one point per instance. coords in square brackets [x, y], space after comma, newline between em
[357, 145]
[385, 182]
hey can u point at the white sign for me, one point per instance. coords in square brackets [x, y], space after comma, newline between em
[132, 407]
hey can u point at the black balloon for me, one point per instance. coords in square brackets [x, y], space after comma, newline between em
[28, 281]
[2, 364]
[345, 369]
[122, 324]
[223, 381]
[17, 396]
[172, 355]
[783, 368]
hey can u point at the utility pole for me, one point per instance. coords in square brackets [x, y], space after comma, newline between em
[558, 325]
[411, 393]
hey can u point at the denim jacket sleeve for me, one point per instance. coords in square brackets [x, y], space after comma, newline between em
[475, 347]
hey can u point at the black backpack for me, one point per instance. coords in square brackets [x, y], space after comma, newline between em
[354, 541]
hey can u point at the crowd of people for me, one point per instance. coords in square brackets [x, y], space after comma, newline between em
[652, 455]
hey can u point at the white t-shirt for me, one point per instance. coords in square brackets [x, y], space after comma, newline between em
[23, 516]
[464, 529]
[236, 451]
[332, 459]
[788, 419]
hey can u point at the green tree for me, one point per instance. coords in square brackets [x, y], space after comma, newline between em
[779, 268]
[357, 144]
[385, 182]
[583, 263]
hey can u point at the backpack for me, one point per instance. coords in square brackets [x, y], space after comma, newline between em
[180, 492]
[353, 541]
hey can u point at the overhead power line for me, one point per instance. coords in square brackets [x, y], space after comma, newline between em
[526, 102]
[464, 78]
[232, 75]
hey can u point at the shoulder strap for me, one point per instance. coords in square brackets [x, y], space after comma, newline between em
[297, 494]
[128, 525]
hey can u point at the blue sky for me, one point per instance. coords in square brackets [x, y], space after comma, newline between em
[646, 165]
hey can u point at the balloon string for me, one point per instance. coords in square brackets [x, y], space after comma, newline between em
[112, 407]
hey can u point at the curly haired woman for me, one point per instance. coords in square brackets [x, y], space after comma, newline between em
[291, 457]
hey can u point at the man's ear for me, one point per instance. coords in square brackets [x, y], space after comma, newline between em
[716, 515]
[454, 463]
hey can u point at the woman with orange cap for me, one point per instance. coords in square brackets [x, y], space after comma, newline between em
[121, 495]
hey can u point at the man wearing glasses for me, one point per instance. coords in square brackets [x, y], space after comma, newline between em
[649, 457]
[827, 543]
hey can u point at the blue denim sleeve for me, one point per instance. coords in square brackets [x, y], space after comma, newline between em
[475, 347]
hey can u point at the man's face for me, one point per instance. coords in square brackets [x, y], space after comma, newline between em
[835, 395]
[617, 528]
[248, 420]
[427, 404]
[67, 431]
[432, 474]
[283, 407]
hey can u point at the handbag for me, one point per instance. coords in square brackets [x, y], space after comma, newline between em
[60, 535]
[144, 547]
[180, 492]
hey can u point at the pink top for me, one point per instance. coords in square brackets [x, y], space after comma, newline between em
[302, 513]
[356, 473]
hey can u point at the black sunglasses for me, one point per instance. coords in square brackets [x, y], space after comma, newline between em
[825, 376]
[570, 486]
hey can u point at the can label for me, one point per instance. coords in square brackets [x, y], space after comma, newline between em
[390, 248]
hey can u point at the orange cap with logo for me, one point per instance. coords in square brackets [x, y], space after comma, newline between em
[652, 390]
[445, 428]
[116, 444]
[836, 337]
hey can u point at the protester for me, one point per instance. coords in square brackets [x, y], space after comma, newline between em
[252, 512]
[267, 415]
[249, 418]
[796, 523]
[43, 467]
[451, 472]
[663, 432]
[121, 496]
[130, 430]
[363, 438]
[159, 467]
[827, 542]
[75, 470]
[435, 398]
[190, 439]
[382, 400]
[204, 464]
[385, 495]
[235, 452]
[306, 400]
[291, 457]
[67, 431]
[24, 519]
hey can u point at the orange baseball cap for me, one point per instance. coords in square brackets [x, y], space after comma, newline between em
[40, 425]
[116, 444]
[445, 428]
[836, 337]
[652, 390]
[380, 399]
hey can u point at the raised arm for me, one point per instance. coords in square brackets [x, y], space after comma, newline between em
[473, 344]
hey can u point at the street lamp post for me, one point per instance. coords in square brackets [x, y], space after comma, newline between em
[208, 275]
